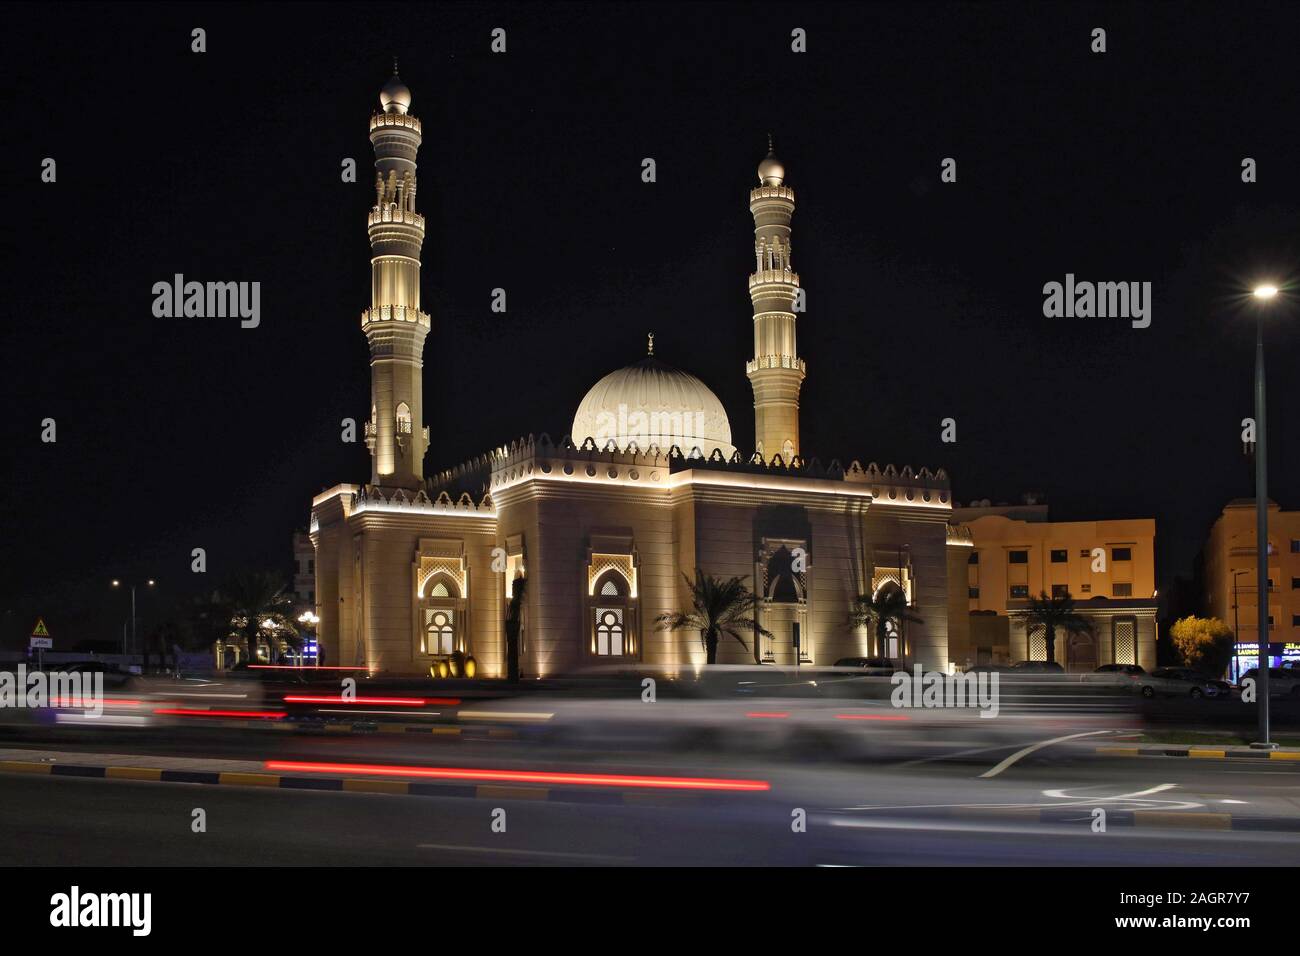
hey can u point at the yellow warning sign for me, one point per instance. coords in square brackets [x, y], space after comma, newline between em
[40, 630]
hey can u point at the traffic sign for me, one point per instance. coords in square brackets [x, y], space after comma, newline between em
[45, 642]
[40, 630]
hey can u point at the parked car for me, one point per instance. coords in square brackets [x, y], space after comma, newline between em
[1181, 682]
[1120, 675]
[1037, 667]
[874, 666]
[1282, 681]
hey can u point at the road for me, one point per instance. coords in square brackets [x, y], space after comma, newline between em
[1039, 810]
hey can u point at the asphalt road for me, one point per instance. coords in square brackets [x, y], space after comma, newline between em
[940, 811]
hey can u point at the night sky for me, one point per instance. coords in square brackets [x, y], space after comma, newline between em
[924, 298]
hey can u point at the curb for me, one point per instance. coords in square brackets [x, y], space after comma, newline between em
[1201, 753]
[1132, 819]
[494, 791]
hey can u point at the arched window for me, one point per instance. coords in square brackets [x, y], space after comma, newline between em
[784, 584]
[610, 618]
[442, 613]
[403, 418]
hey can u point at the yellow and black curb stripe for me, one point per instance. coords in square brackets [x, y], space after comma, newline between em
[1196, 753]
[1138, 819]
[608, 796]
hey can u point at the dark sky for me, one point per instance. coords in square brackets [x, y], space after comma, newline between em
[924, 299]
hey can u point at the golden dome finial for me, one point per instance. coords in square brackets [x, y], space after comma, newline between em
[770, 170]
[650, 344]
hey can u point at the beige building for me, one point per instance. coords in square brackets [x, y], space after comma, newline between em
[1016, 554]
[1232, 584]
[413, 571]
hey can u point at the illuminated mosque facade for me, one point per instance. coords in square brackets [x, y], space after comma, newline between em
[415, 572]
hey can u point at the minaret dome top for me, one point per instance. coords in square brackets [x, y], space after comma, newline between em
[770, 170]
[395, 97]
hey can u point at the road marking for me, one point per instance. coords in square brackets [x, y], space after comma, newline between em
[501, 849]
[1038, 746]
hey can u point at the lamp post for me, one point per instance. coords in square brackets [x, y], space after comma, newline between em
[118, 584]
[310, 619]
[1236, 630]
[1264, 293]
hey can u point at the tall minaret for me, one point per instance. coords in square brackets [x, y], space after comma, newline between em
[776, 371]
[394, 325]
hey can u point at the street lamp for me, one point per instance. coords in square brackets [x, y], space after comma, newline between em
[118, 584]
[1264, 293]
[1236, 629]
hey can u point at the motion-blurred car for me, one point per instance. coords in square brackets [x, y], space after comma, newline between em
[1037, 667]
[1116, 675]
[1282, 681]
[875, 666]
[1181, 682]
[114, 676]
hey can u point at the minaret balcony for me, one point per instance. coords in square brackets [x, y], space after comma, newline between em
[792, 362]
[395, 313]
[378, 120]
[760, 193]
[774, 277]
[389, 213]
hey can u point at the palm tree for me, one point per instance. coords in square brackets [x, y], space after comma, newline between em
[514, 624]
[717, 607]
[253, 602]
[1052, 614]
[876, 611]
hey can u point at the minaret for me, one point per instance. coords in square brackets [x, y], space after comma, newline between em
[394, 325]
[776, 371]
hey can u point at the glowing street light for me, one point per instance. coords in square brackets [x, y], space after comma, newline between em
[117, 584]
[1265, 293]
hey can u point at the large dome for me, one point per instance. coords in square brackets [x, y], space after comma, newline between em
[651, 403]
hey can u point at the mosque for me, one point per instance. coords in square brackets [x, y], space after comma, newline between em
[416, 571]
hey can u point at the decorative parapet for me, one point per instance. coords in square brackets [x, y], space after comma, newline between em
[539, 456]
[372, 498]
[776, 361]
[959, 536]
[389, 213]
[774, 277]
[395, 313]
[760, 193]
[394, 119]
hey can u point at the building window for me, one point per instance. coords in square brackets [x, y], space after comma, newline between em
[440, 632]
[784, 583]
[1018, 557]
[1295, 545]
[1085, 553]
[1295, 620]
[1059, 555]
[1019, 592]
[609, 616]
[403, 418]
[974, 558]
[1123, 640]
[442, 616]
[1121, 554]
[311, 565]
[1295, 583]
[1122, 590]
[1060, 590]
[1037, 639]
[974, 592]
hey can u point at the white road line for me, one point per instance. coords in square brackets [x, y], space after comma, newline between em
[1038, 746]
[501, 849]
